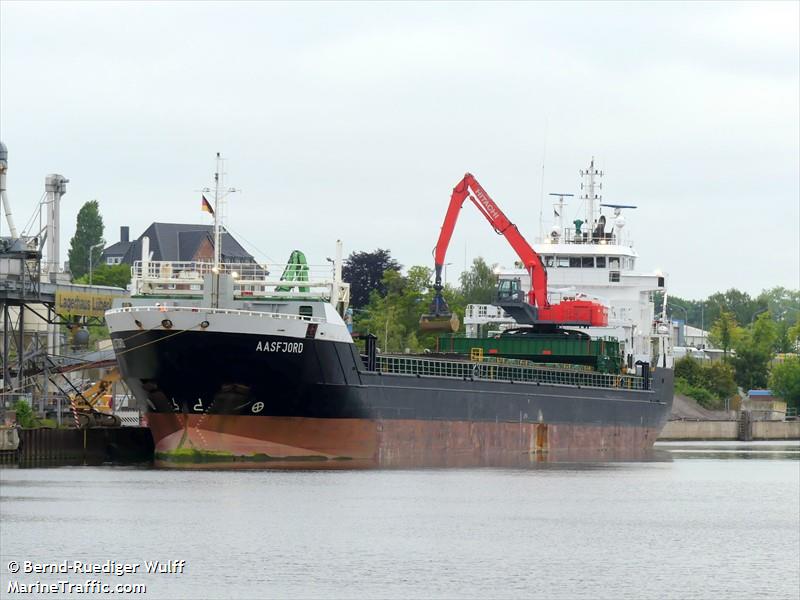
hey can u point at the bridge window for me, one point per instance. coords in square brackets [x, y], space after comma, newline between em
[613, 276]
[563, 261]
[549, 261]
[575, 261]
[600, 262]
[613, 262]
[306, 311]
[587, 262]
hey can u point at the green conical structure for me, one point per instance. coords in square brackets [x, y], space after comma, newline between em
[296, 270]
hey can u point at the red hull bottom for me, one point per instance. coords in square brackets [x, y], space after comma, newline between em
[230, 441]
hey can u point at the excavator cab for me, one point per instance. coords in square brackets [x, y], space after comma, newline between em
[510, 290]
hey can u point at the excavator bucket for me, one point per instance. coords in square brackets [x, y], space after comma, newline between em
[439, 317]
[444, 323]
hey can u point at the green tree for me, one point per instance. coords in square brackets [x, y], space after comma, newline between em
[783, 342]
[754, 350]
[364, 272]
[719, 379]
[784, 381]
[88, 233]
[725, 332]
[793, 336]
[387, 316]
[764, 332]
[394, 316]
[709, 383]
[783, 304]
[734, 301]
[479, 284]
[752, 365]
[689, 369]
[113, 275]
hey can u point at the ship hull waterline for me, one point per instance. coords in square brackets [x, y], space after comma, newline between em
[245, 442]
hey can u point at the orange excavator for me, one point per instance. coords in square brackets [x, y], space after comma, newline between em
[92, 406]
[531, 308]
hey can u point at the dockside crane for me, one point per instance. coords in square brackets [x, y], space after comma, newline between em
[532, 308]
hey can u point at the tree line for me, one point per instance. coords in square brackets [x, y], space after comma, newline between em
[782, 305]
[389, 304]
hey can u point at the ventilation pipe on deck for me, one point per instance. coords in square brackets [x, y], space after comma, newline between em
[372, 347]
[145, 258]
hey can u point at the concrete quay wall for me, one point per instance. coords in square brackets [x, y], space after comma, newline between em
[776, 430]
[730, 430]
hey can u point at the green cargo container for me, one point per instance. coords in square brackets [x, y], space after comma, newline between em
[602, 355]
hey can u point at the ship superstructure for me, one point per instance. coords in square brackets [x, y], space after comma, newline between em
[592, 257]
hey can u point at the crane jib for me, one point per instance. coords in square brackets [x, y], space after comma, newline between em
[535, 308]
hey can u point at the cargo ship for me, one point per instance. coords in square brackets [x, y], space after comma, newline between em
[240, 368]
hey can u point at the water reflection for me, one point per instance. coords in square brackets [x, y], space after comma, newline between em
[767, 450]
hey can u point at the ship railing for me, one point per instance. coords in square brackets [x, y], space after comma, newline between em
[188, 278]
[521, 362]
[217, 311]
[570, 236]
[425, 367]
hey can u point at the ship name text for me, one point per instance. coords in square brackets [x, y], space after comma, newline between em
[285, 347]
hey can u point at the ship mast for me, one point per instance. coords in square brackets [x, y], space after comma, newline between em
[590, 193]
[217, 216]
[558, 208]
[220, 194]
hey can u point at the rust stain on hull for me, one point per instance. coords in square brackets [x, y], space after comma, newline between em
[230, 441]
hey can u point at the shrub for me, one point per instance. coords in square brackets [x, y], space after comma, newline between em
[25, 416]
[708, 383]
[703, 397]
[689, 370]
[784, 381]
[718, 378]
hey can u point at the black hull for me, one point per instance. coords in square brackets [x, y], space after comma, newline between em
[247, 375]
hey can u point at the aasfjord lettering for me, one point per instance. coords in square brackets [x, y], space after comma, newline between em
[283, 347]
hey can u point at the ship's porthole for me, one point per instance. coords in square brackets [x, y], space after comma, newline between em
[204, 324]
[167, 324]
[257, 407]
[138, 323]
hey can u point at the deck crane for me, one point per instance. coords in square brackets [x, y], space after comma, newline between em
[532, 308]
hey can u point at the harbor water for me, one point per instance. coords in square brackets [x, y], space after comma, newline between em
[702, 520]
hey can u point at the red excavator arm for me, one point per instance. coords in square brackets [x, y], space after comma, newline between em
[531, 261]
[578, 312]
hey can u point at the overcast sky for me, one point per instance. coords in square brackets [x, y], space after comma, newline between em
[355, 120]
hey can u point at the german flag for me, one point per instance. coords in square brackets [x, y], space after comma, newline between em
[206, 206]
